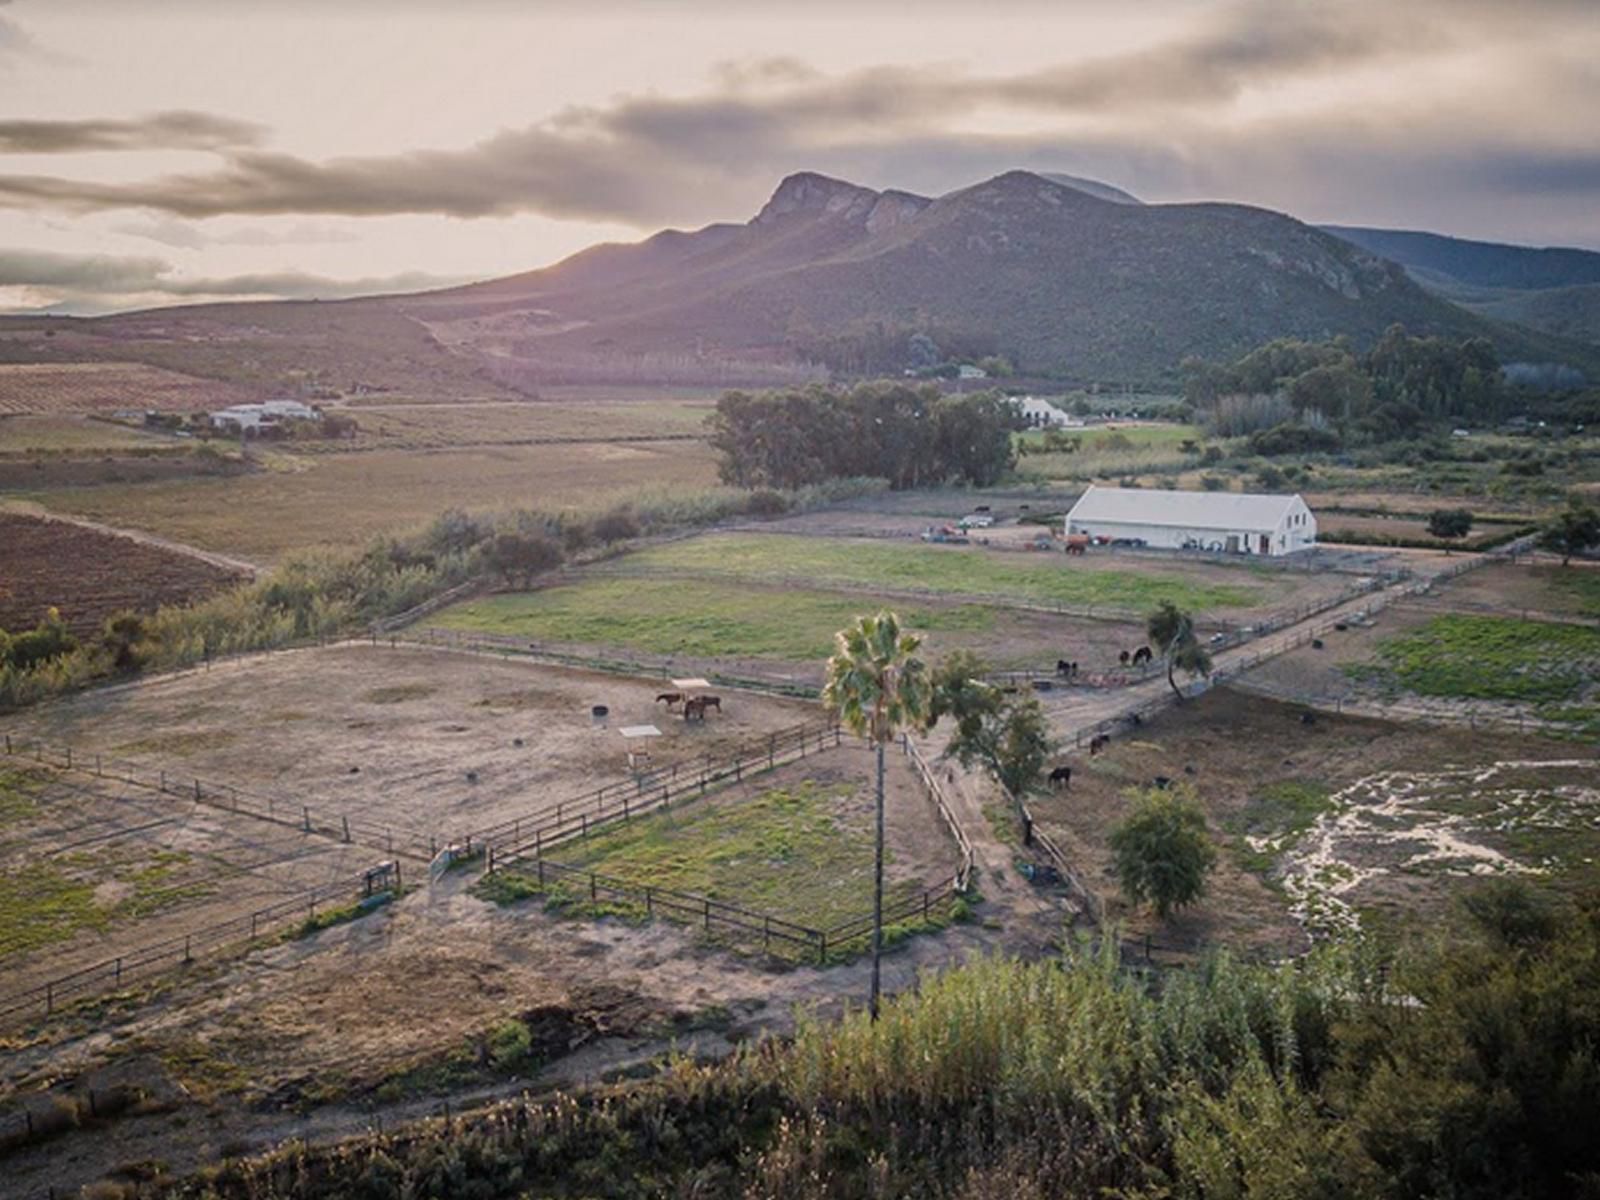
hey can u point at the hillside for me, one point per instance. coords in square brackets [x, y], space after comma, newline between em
[1061, 281]
[1555, 290]
[1065, 277]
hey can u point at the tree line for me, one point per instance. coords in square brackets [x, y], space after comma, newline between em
[1403, 383]
[907, 433]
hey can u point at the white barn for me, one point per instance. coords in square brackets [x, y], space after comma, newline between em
[1235, 522]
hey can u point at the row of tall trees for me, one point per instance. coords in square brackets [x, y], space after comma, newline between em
[909, 434]
[1401, 383]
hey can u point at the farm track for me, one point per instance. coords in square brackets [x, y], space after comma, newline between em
[226, 562]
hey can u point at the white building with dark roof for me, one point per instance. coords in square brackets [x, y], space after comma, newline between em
[1234, 522]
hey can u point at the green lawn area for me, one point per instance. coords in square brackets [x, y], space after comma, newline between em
[802, 853]
[1487, 658]
[1581, 587]
[1046, 579]
[667, 616]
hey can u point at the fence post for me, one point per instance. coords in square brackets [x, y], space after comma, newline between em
[305, 818]
[345, 821]
[163, 782]
[649, 903]
[187, 957]
[594, 891]
[119, 969]
[197, 789]
[541, 871]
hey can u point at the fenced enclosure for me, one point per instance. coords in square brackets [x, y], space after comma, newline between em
[213, 942]
[777, 933]
[391, 838]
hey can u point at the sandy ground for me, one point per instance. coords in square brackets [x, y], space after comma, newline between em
[389, 735]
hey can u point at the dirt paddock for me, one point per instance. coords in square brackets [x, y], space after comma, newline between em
[389, 735]
[92, 868]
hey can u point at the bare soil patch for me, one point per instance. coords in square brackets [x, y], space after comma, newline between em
[428, 740]
[1266, 779]
[89, 574]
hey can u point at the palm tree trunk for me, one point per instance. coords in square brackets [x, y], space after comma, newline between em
[877, 895]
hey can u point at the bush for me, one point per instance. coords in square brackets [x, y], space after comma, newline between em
[1162, 852]
[766, 503]
[616, 526]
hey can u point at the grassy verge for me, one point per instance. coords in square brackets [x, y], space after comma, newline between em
[1044, 579]
[664, 616]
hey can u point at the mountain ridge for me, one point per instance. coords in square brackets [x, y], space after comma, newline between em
[1069, 281]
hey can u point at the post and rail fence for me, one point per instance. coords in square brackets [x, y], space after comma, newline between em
[116, 972]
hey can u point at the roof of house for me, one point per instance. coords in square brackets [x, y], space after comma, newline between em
[1189, 510]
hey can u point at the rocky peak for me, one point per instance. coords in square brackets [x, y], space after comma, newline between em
[817, 195]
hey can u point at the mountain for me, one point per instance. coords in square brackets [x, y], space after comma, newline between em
[1065, 277]
[1060, 280]
[1092, 186]
[1476, 264]
[1552, 289]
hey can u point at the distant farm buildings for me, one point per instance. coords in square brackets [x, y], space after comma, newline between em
[1041, 414]
[1231, 522]
[254, 418]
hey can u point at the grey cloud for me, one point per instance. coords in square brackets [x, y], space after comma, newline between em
[176, 130]
[1150, 119]
[95, 281]
[186, 235]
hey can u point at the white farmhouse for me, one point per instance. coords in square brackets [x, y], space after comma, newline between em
[253, 417]
[1235, 522]
[1041, 414]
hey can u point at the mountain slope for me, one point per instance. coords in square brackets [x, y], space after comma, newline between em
[1477, 264]
[1058, 279]
[1066, 278]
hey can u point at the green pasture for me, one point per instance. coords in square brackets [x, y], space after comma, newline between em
[802, 853]
[1035, 579]
[669, 616]
[1487, 658]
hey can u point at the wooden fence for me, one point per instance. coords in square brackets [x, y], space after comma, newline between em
[392, 839]
[213, 941]
[528, 859]
[643, 665]
[534, 831]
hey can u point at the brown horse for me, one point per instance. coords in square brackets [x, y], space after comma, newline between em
[671, 699]
[710, 702]
[694, 709]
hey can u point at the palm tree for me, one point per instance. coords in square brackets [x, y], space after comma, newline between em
[876, 687]
[1172, 630]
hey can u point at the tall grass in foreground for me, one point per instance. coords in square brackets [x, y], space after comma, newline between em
[999, 1078]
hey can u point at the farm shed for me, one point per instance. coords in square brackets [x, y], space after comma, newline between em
[1236, 522]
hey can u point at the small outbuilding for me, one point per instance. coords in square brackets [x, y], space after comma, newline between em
[1231, 522]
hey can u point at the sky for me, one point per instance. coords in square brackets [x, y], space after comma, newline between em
[173, 151]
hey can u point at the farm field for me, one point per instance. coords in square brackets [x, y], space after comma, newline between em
[1046, 579]
[89, 575]
[60, 434]
[344, 499]
[1346, 821]
[1530, 588]
[1356, 527]
[795, 843]
[723, 626]
[85, 387]
[468, 423]
[416, 741]
[91, 868]
[1425, 661]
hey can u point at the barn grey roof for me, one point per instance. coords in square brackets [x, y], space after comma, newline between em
[1242, 511]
